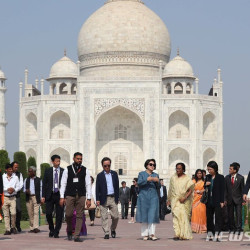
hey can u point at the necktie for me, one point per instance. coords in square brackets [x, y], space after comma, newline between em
[232, 180]
[56, 182]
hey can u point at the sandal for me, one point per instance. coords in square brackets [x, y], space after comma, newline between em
[145, 238]
[153, 238]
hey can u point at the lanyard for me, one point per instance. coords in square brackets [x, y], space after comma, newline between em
[77, 170]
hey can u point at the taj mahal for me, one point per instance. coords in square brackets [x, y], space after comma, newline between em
[124, 98]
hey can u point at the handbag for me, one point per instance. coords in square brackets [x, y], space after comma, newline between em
[204, 197]
[98, 212]
[92, 206]
[168, 210]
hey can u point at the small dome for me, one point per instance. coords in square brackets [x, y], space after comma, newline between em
[178, 67]
[2, 76]
[64, 68]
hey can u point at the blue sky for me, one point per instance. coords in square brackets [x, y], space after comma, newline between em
[210, 34]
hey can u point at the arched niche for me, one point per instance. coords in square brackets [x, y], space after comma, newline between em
[178, 88]
[64, 154]
[178, 155]
[31, 127]
[31, 153]
[63, 89]
[208, 155]
[178, 125]
[60, 125]
[209, 126]
[119, 131]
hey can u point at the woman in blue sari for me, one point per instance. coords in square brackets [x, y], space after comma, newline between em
[148, 200]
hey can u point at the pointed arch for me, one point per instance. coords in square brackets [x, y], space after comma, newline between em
[119, 131]
[208, 155]
[178, 125]
[178, 88]
[209, 126]
[60, 125]
[64, 154]
[63, 89]
[178, 155]
[31, 126]
[31, 153]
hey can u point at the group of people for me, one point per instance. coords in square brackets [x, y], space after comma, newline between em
[194, 203]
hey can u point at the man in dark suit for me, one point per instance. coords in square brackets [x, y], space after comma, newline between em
[107, 196]
[246, 188]
[51, 195]
[1, 189]
[124, 196]
[163, 200]
[234, 185]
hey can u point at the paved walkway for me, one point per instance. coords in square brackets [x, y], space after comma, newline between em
[128, 237]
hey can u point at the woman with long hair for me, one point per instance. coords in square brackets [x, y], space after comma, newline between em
[199, 219]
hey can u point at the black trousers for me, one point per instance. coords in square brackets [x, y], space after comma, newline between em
[92, 215]
[51, 204]
[235, 222]
[162, 207]
[211, 226]
[124, 209]
[18, 212]
[133, 206]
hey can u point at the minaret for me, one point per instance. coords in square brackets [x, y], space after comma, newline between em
[3, 122]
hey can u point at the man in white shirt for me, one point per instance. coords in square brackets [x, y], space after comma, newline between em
[19, 175]
[33, 189]
[76, 187]
[10, 188]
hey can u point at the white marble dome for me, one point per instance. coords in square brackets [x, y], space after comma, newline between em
[2, 76]
[123, 32]
[178, 67]
[64, 68]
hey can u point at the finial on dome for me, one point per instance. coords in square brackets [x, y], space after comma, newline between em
[110, 1]
[65, 52]
[178, 51]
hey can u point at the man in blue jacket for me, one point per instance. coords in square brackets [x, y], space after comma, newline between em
[107, 195]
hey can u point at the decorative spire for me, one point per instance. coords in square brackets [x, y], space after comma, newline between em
[65, 52]
[110, 1]
[178, 51]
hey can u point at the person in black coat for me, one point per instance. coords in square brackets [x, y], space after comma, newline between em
[163, 200]
[215, 183]
[107, 196]
[246, 188]
[51, 195]
[234, 185]
[134, 191]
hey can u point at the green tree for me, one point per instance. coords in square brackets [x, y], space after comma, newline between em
[4, 159]
[43, 167]
[31, 161]
[20, 157]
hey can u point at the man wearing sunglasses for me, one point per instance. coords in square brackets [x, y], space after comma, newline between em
[107, 195]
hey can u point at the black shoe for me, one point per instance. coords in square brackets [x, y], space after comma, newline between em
[122, 218]
[19, 229]
[56, 235]
[51, 234]
[113, 234]
[78, 239]
[31, 231]
[126, 217]
[7, 233]
[13, 230]
[106, 237]
[69, 236]
[36, 230]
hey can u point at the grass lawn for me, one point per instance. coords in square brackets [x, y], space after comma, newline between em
[24, 224]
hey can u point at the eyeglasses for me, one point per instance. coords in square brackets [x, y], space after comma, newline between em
[106, 166]
[151, 164]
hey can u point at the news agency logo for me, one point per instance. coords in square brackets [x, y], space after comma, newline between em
[226, 236]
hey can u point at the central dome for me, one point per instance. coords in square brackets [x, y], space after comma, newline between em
[123, 33]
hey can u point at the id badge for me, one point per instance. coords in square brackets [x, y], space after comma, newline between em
[75, 180]
[56, 185]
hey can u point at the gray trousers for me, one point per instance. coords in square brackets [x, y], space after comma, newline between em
[113, 208]
[78, 203]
